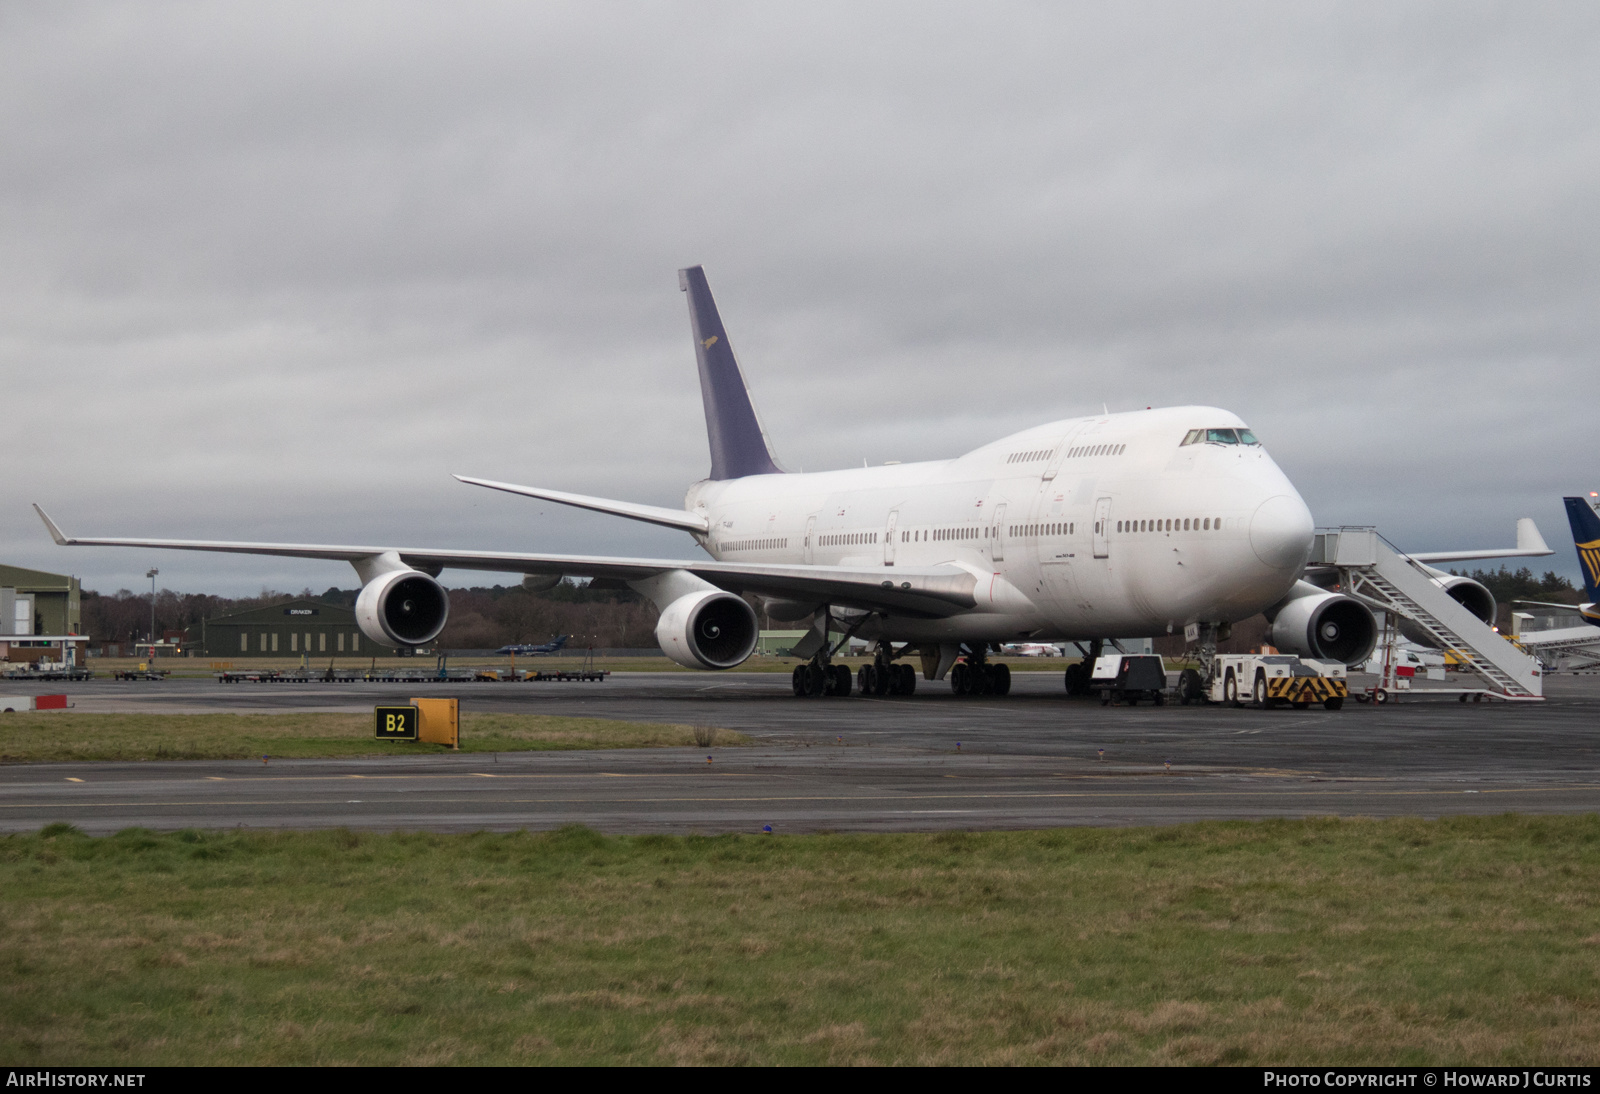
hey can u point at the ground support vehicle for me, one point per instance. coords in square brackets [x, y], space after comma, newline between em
[50, 670]
[1127, 678]
[1268, 679]
[143, 672]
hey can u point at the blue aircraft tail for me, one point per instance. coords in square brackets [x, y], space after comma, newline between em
[1586, 537]
[738, 444]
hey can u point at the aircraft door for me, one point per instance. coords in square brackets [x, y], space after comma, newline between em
[1102, 528]
[997, 543]
[888, 537]
[811, 527]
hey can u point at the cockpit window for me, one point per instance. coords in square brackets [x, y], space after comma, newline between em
[1219, 436]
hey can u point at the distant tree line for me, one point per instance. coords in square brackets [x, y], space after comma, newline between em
[1508, 585]
[480, 617]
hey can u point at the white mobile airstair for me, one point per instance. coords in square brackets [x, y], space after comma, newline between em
[1372, 571]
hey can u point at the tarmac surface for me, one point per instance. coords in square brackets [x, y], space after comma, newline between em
[931, 761]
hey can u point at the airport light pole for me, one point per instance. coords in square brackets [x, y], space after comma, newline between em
[152, 576]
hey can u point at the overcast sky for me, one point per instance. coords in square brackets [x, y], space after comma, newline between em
[275, 271]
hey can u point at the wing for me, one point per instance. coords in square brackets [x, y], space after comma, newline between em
[932, 591]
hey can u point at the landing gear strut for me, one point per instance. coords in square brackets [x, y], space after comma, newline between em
[1195, 684]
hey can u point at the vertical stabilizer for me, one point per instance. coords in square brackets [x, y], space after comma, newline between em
[1586, 538]
[738, 443]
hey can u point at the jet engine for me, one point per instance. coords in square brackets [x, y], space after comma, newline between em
[402, 608]
[1470, 594]
[1327, 626]
[710, 629]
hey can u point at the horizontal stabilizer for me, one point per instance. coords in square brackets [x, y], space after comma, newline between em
[650, 514]
[1529, 544]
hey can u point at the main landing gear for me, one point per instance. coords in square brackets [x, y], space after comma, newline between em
[815, 678]
[973, 675]
[820, 676]
[883, 676]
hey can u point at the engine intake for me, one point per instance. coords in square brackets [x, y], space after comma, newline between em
[1326, 626]
[708, 630]
[402, 608]
[1471, 595]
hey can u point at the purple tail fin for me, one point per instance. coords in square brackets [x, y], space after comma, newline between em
[738, 444]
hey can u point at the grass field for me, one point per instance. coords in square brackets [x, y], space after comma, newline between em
[1468, 940]
[52, 736]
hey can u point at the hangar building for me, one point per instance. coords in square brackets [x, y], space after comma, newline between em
[291, 629]
[39, 613]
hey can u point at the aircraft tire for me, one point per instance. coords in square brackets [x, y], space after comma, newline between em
[960, 679]
[908, 680]
[814, 680]
[799, 681]
[1191, 688]
[841, 681]
[867, 679]
[1076, 680]
[981, 679]
[1002, 679]
[883, 680]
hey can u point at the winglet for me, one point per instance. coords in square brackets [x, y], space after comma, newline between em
[1529, 540]
[55, 533]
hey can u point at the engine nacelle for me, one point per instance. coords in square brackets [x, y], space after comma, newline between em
[1326, 626]
[1470, 594]
[708, 630]
[402, 608]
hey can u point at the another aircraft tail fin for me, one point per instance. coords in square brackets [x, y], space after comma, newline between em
[1586, 537]
[738, 443]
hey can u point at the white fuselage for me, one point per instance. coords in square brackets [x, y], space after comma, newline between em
[1079, 529]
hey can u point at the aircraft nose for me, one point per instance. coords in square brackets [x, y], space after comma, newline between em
[1280, 532]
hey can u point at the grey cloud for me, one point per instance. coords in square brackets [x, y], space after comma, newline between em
[281, 269]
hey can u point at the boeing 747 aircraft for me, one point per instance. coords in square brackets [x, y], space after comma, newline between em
[1146, 522]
